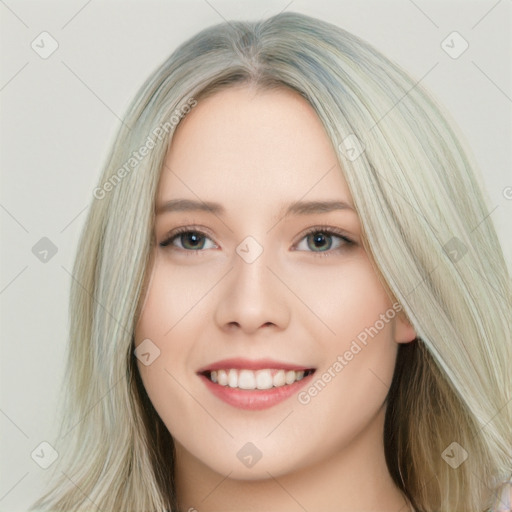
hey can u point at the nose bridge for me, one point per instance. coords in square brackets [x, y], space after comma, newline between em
[251, 297]
[252, 280]
[250, 250]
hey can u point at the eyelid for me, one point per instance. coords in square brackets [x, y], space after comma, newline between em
[329, 230]
[173, 234]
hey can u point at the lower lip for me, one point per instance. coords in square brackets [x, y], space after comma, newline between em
[254, 399]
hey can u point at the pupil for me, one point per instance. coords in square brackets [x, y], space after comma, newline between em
[194, 237]
[320, 238]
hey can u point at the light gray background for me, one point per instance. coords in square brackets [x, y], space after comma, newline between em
[59, 116]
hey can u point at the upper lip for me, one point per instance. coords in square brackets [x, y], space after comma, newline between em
[248, 364]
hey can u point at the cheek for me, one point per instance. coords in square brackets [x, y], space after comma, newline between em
[169, 319]
[173, 293]
[157, 317]
[358, 354]
[163, 378]
[346, 297]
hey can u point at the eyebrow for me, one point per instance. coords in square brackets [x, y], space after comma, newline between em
[296, 208]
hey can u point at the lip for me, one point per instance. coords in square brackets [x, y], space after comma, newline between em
[239, 363]
[253, 399]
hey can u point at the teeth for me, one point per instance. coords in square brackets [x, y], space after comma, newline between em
[246, 379]
[279, 379]
[264, 379]
[222, 378]
[233, 379]
[260, 379]
[289, 377]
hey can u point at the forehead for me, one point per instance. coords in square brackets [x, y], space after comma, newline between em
[247, 147]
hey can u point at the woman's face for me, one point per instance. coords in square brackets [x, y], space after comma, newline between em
[247, 292]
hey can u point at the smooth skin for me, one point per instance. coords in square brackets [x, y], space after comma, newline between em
[303, 301]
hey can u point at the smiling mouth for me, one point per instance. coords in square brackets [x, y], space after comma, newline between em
[264, 379]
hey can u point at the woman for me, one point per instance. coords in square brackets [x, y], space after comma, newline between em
[287, 294]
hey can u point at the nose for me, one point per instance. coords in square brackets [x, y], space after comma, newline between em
[252, 297]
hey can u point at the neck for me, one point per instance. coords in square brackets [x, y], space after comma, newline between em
[354, 479]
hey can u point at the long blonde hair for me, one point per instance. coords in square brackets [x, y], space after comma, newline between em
[427, 231]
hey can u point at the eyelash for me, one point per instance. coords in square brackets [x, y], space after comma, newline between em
[326, 230]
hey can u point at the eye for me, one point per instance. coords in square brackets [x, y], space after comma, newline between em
[192, 240]
[320, 240]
